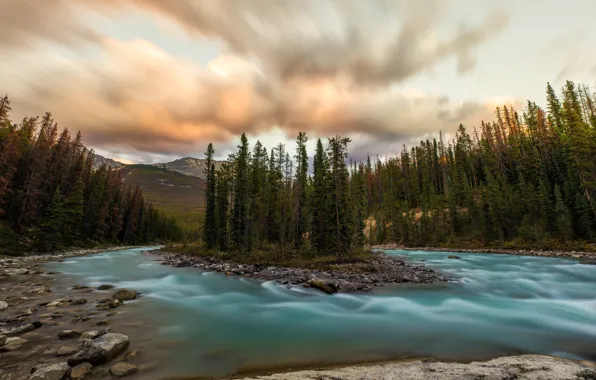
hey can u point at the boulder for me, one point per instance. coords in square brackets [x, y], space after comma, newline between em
[3, 305]
[123, 369]
[453, 257]
[322, 285]
[125, 294]
[66, 351]
[105, 287]
[101, 349]
[69, 334]
[12, 344]
[51, 372]
[81, 371]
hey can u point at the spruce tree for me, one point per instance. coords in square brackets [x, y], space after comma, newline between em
[209, 230]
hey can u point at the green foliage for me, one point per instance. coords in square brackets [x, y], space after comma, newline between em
[52, 198]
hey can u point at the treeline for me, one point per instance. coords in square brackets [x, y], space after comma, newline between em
[526, 178]
[52, 197]
[264, 199]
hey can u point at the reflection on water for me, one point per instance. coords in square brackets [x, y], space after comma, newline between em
[216, 324]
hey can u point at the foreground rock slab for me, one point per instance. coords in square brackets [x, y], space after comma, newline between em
[100, 350]
[81, 371]
[525, 367]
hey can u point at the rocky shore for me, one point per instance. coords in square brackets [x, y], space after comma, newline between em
[354, 277]
[587, 256]
[50, 333]
[524, 367]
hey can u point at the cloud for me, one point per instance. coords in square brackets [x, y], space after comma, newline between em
[321, 66]
[137, 97]
[373, 42]
[27, 22]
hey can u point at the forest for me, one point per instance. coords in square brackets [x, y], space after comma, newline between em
[523, 180]
[52, 197]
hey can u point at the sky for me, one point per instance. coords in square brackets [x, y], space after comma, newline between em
[152, 80]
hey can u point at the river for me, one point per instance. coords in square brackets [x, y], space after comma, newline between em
[215, 325]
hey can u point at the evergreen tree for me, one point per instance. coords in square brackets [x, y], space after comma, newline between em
[210, 233]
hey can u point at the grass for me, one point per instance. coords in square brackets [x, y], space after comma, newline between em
[271, 256]
[169, 191]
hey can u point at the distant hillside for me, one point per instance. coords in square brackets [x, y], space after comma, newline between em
[194, 167]
[168, 190]
[100, 160]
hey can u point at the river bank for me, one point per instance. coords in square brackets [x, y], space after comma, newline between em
[50, 329]
[518, 252]
[523, 367]
[380, 270]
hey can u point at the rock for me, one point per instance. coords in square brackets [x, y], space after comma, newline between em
[60, 302]
[51, 372]
[94, 333]
[102, 307]
[55, 315]
[40, 290]
[66, 351]
[2, 340]
[101, 349]
[69, 334]
[123, 369]
[105, 287]
[99, 373]
[19, 330]
[79, 287]
[131, 355]
[453, 257]
[3, 305]
[588, 261]
[322, 285]
[104, 322]
[125, 294]
[81, 371]
[12, 344]
[80, 301]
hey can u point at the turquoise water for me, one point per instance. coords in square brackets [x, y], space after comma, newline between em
[501, 305]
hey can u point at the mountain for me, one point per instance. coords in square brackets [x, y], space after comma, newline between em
[168, 190]
[100, 160]
[190, 166]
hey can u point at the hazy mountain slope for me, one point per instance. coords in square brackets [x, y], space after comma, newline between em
[100, 160]
[188, 165]
[168, 190]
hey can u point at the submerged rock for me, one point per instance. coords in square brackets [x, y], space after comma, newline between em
[3, 305]
[94, 333]
[123, 369]
[66, 351]
[69, 334]
[51, 372]
[81, 371]
[453, 257]
[2, 340]
[125, 294]
[101, 349]
[105, 287]
[60, 302]
[18, 330]
[325, 286]
[12, 344]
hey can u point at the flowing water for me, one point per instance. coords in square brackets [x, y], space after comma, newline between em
[215, 325]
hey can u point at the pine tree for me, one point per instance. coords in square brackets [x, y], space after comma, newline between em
[240, 205]
[49, 237]
[72, 214]
[210, 232]
[300, 208]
